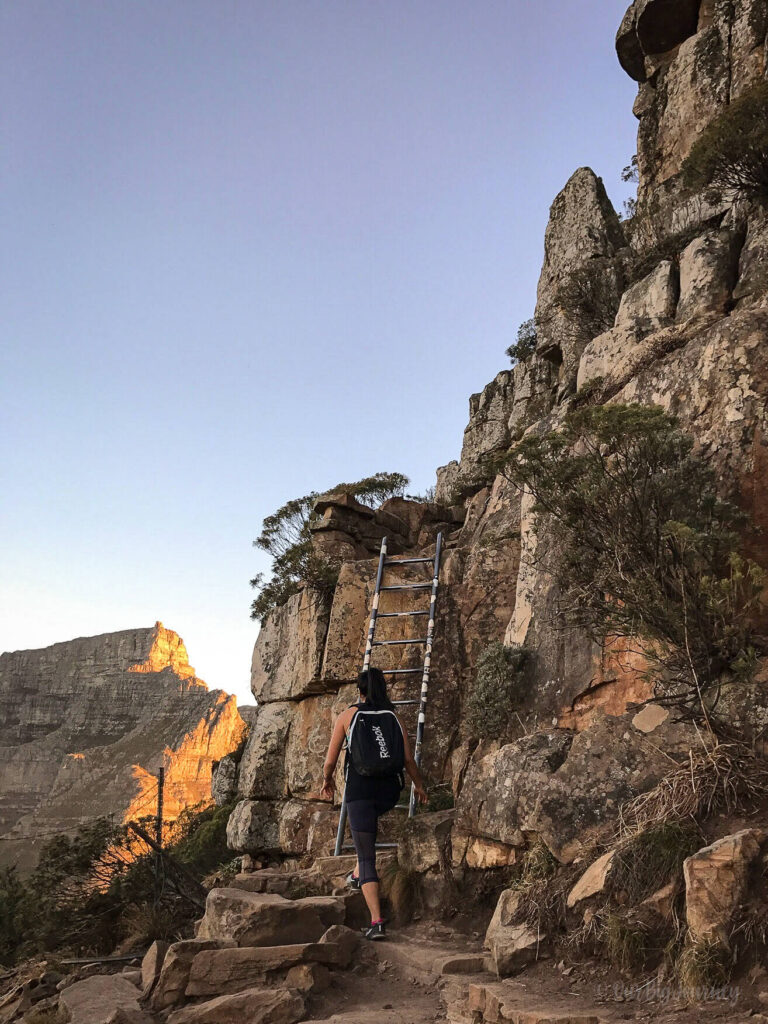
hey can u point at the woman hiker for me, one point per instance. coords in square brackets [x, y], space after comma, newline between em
[377, 751]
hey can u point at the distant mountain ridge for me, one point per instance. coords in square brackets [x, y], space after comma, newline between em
[86, 724]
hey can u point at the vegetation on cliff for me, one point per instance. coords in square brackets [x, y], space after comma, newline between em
[98, 889]
[645, 547]
[286, 536]
[491, 702]
[731, 154]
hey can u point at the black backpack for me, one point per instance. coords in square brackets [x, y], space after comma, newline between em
[375, 745]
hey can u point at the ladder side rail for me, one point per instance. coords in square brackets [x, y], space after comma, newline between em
[366, 663]
[425, 674]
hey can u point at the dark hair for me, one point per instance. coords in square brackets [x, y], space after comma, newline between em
[373, 687]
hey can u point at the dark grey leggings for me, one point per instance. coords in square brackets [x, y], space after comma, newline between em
[364, 824]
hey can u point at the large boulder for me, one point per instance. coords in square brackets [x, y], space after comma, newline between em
[512, 944]
[255, 1005]
[425, 843]
[559, 784]
[265, 919]
[93, 1000]
[262, 766]
[152, 964]
[311, 727]
[708, 271]
[254, 827]
[716, 882]
[224, 781]
[650, 303]
[289, 649]
[218, 972]
[171, 984]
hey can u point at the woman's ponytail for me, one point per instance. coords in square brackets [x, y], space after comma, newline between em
[373, 686]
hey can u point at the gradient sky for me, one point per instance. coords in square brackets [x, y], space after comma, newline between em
[251, 249]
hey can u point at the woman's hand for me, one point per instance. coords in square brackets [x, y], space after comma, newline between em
[328, 789]
[421, 795]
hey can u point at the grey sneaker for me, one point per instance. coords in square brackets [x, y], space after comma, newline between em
[353, 881]
[375, 932]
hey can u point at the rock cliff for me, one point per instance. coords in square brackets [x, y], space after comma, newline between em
[668, 308]
[85, 725]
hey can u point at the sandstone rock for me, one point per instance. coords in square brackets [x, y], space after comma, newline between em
[152, 964]
[664, 24]
[447, 481]
[708, 269]
[557, 785]
[307, 827]
[308, 978]
[488, 427]
[255, 1005]
[426, 841]
[752, 284]
[94, 1000]
[224, 781]
[253, 827]
[716, 882]
[343, 941]
[311, 727]
[651, 302]
[218, 972]
[628, 48]
[650, 718]
[171, 984]
[605, 352]
[289, 649]
[85, 724]
[262, 774]
[662, 902]
[260, 919]
[129, 1015]
[512, 946]
[690, 90]
[484, 854]
[594, 880]
[583, 235]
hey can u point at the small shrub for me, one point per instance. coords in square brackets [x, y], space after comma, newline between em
[731, 155]
[287, 537]
[525, 345]
[440, 797]
[703, 963]
[627, 942]
[589, 297]
[651, 858]
[497, 687]
[632, 171]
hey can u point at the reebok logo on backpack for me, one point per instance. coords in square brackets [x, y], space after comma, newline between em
[375, 745]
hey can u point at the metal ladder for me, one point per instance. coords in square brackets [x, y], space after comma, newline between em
[371, 642]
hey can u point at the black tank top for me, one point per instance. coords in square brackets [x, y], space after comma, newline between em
[366, 787]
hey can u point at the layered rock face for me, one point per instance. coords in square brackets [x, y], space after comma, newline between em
[85, 726]
[669, 308]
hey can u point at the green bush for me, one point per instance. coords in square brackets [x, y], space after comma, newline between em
[286, 536]
[496, 689]
[645, 547]
[525, 345]
[731, 154]
[590, 296]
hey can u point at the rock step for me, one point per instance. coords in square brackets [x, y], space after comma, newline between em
[255, 1005]
[495, 1002]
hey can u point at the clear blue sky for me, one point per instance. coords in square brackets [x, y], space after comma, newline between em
[251, 249]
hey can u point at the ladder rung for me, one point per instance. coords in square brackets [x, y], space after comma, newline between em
[392, 643]
[401, 702]
[396, 615]
[401, 671]
[409, 586]
[406, 561]
[401, 807]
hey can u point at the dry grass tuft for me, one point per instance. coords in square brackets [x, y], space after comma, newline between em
[726, 778]
[398, 886]
[646, 861]
[703, 962]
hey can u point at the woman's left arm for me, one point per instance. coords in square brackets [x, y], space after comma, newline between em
[334, 749]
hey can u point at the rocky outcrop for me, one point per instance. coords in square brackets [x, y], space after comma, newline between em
[717, 879]
[86, 724]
